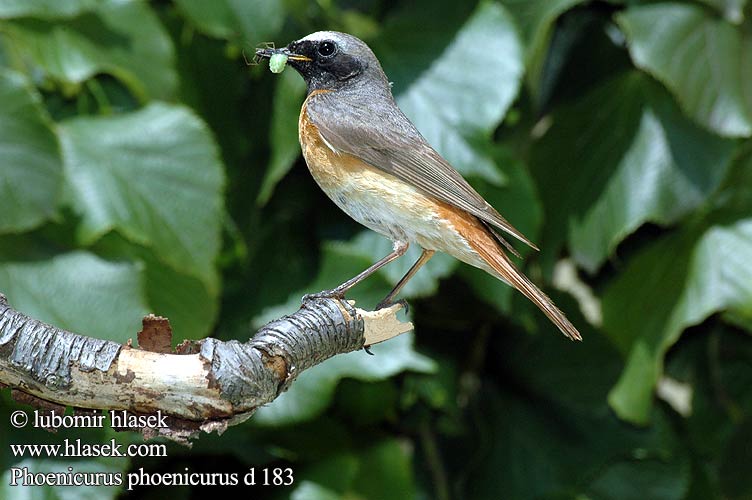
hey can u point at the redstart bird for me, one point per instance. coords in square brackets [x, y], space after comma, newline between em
[373, 163]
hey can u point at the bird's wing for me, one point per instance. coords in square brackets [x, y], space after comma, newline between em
[386, 139]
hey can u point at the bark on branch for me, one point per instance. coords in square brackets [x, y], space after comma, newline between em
[208, 386]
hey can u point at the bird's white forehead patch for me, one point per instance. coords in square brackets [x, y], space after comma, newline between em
[347, 43]
[321, 35]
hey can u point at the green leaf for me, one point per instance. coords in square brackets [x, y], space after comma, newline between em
[283, 135]
[668, 170]
[367, 403]
[121, 38]
[313, 390]
[536, 448]
[639, 479]
[720, 277]
[31, 173]
[251, 20]
[188, 303]
[184, 300]
[714, 363]
[734, 472]
[44, 8]
[535, 19]
[732, 10]
[600, 186]
[78, 292]
[307, 490]
[353, 474]
[567, 379]
[461, 97]
[706, 62]
[683, 279]
[155, 176]
[393, 461]
[636, 321]
[336, 471]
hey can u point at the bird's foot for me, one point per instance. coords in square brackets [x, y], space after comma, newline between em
[325, 294]
[335, 294]
[389, 303]
[367, 348]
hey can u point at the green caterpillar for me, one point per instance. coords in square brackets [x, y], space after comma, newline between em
[277, 63]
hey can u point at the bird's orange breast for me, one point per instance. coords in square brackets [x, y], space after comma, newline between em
[330, 169]
[375, 198]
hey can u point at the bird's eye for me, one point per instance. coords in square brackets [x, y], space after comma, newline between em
[327, 49]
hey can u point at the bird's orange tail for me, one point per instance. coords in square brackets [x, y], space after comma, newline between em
[490, 251]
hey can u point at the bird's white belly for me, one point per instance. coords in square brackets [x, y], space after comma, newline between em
[400, 212]
[390, 207]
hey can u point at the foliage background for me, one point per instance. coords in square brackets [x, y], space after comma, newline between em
[144, 167]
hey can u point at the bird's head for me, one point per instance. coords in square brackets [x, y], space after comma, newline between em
[330, 60]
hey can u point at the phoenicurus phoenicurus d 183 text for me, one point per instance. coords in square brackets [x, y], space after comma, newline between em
[369, 158]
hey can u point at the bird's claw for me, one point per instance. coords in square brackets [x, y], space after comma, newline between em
[388, 303]
[325, 294]
[367, 348]
[334, 294]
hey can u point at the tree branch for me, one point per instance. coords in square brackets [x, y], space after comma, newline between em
[208, 385]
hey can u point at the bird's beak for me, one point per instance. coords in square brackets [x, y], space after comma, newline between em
[268, 52]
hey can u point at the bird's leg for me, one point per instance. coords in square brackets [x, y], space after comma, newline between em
[388, 300]
[399, 249]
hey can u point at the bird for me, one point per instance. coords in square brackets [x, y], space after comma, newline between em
[375, 165]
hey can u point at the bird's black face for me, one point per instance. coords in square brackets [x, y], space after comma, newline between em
[326, 60]
[327, 65]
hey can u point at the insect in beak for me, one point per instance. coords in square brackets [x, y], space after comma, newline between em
[269, 51]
